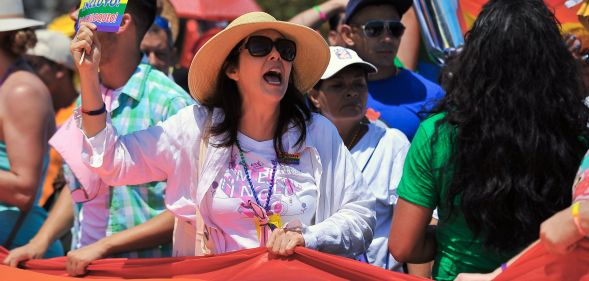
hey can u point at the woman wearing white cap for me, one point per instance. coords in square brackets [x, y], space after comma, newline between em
[251, 159]
[26, 123]
[341, 96]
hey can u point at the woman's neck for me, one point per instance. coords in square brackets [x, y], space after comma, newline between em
[350, 132]
[259, 120]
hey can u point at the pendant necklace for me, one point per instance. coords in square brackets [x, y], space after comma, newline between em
[355, 138]
[262, 220]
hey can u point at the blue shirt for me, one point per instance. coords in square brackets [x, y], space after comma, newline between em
[400, 98]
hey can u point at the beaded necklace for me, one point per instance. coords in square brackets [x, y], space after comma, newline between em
[249, 179]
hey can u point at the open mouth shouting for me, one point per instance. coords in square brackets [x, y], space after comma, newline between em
[273, 77]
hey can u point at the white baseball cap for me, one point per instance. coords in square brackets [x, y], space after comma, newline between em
[54, 46]
[341, 57]
[12, 16]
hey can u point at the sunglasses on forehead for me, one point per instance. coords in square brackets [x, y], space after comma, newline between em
[375, 28]
[261, 46]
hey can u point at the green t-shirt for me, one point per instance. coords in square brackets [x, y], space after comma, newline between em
[424, 183]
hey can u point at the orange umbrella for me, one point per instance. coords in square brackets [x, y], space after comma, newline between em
[214, 10]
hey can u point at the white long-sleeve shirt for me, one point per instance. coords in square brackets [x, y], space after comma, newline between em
[380, 154]
[344, 219]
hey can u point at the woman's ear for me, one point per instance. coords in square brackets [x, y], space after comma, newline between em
[231, 72]
[314, 98]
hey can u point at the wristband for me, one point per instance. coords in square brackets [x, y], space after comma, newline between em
[322, 15]
[575, 212]
[95, 112]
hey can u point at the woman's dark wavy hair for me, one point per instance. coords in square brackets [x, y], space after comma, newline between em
[515, 96]
[293, 111]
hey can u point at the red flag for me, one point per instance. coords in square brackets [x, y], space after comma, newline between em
[537, 264]
[251, 264]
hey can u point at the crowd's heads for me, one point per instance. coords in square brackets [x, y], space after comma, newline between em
[158, 45]
[166, 10]
[12, 16]
[342, 92]
[16, 35]
[51, 59]
[53, 46]
[16, 43]
[374, 30]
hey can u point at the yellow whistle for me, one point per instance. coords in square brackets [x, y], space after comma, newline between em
[273, 219]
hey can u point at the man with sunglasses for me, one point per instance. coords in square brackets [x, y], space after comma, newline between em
[373, 29]
[122, 221]
[158, 46]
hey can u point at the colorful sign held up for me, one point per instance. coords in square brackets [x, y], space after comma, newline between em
[106, 14]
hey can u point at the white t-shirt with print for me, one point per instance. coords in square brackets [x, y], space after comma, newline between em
[294, 194]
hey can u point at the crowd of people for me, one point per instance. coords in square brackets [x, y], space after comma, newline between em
[283, 141]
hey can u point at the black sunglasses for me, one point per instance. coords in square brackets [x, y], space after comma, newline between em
[375, 28]
[260, 46]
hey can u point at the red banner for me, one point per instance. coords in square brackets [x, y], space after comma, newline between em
[252, 264]
[305, 264]
[537, 264]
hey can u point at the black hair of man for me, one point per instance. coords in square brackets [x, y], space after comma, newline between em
[143, 14]
[334, 21]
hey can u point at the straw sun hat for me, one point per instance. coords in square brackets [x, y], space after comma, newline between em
[12, 16]
[310, 62]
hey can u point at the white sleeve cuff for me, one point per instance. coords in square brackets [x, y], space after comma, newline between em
[93, 148]
[310, 238]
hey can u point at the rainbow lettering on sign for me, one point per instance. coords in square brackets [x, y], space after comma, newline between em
[106, 14]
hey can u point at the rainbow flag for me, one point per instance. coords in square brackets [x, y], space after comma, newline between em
[106, 14]
[469, 9]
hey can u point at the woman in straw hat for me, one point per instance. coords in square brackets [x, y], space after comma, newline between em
[26, 123]
[250, 160]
